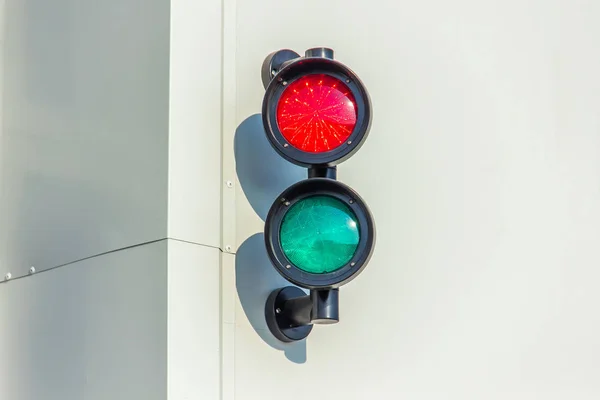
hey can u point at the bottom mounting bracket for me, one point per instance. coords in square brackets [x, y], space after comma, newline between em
[290, 312]
[281, 326]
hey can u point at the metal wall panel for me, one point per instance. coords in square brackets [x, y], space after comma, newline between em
[193, 321]
[93, 330]
[195, 122]
[84, 133]
[481, 170]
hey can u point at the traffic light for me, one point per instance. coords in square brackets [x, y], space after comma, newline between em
[319, 233]
[316, 111]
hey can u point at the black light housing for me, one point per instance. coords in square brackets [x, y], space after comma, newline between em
[284, 68]
[319, 187]
[296, 90]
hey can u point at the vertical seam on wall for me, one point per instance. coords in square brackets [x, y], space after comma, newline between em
[168, 133]
[228, 190]
[4, 269]
[228, 126]
[168, 232]
[167, 324]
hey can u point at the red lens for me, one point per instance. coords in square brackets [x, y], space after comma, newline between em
[316, 113]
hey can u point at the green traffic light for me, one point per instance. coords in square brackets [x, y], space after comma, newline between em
[319, 234]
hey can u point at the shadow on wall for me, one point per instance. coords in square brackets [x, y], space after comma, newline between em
[262, 172]
[263, 175]
[255, 279]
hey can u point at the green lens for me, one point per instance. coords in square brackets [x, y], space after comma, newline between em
[319, 234]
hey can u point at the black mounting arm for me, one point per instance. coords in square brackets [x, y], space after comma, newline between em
[291, 313]
[322, 171]
[275, 61]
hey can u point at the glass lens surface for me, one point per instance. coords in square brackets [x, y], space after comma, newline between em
[319, 234]
[316, 113]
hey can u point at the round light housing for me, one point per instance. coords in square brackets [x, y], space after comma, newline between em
[319, 233]
[316, 111]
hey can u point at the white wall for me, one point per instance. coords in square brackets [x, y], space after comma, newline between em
[482, 171]
[195, 122]
[193, 321]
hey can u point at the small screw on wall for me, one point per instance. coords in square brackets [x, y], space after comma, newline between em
[7, 276]
[32, 270]
[229, 184]
[228, 248]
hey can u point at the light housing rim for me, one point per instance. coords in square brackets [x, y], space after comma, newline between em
[297, 69]
[317, 187]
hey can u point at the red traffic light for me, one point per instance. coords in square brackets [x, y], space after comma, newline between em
[316, 113]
